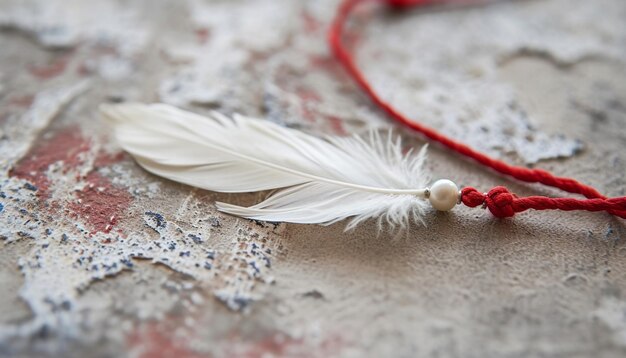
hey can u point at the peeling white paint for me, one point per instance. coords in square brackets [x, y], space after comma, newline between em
[63, 24]
[65, 259]
[21, 132]
[448, 79]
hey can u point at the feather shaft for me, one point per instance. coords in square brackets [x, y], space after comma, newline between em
[323, 180]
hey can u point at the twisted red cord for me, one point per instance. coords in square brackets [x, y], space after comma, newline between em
[499, 202]
[503, 204]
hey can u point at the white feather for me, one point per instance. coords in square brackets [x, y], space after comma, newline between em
[325, 180]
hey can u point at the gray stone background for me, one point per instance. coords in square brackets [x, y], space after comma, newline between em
[100, 259]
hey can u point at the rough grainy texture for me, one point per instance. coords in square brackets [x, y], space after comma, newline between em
[99, 258]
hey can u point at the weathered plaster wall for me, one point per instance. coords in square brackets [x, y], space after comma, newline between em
[99, 258]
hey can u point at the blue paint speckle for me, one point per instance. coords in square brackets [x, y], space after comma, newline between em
[196, 239]
[241, 302]
[254, 266]
[30, 187]
[127, 263]
[159, 221]
[214, 222]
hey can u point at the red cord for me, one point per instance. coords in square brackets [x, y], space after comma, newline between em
[499, 201]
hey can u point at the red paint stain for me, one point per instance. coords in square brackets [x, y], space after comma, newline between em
[100, 204]
[318, 61]
[274, 345]
[280, 345]
[50, 70]
[311, 24]
[66, 146]
[336, 124]
[84, 69]
[158, 340]
[308, 98]
[23, 101]
[106, 159]
[170, 338]
[202, 35]
[104, 49]
[329, 65]
[257, 57]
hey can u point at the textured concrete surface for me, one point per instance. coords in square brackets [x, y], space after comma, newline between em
[99, 258]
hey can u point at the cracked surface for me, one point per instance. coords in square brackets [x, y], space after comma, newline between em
[99, 258]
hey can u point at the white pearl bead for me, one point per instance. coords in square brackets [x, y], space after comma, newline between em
[444, 195]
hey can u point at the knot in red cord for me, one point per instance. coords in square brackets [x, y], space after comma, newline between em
[472, 197]
[500, 202]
